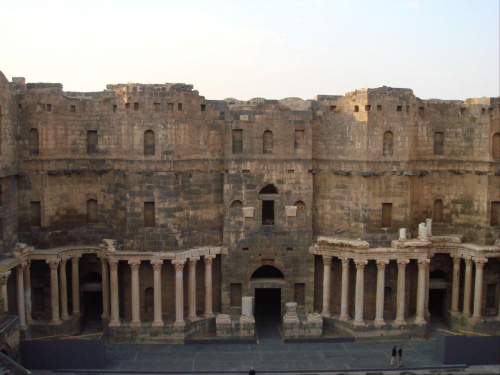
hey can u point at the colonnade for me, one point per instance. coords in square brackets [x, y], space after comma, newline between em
[423, 270]
[110, 290]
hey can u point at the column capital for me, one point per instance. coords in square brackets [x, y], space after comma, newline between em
[208, 259]
[360, 264]
[423, 262]
[22, 265]
[113, 264]
[468, 260]
[192, 261]
[403, 262]
[53, 263]
[134, 264]
[456, 258]
[75, 257]
[102, 256]
[480, 262]
[381, 263]
[327, 260]
[345, 262]
[4, 276]
[157, 264]
[179, 264]
[64, 259]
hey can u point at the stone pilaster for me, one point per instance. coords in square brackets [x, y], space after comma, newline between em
[179, 293]
[455, 286]
[27, 292]
[379, 306]
[192, 288]
[105, 287]
[467, 286]
[422, 278]
[4, 277]
[360, 292]
[478, 288]
[208, 286]
[75, 285]
[54, 290]
[400, 311]
[344, 315]
[20, 295]
[113, 283]
[63, 288]
[136, 311]
[327, 271]
[158, 320]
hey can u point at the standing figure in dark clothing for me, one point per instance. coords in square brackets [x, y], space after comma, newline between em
[252, 371]
[400, 356]
[393, 355]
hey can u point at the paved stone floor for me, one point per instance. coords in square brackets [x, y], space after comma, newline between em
[270, 354]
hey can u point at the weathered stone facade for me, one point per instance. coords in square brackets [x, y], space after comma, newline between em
[292, 200]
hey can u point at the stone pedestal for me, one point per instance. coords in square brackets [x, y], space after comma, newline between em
[247, 310]
[291, 313]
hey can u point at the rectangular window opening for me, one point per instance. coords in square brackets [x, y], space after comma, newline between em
[407, 108]
[237, 141]
[91, 141]
[72, 109]
[368, 108]
[149, 214]
[49, 107]
[127, 105]
[333, 108]
[379, 108]
[203, 107]
[267, 212]
[495, 214]
[438, 143]
[289, 249]
[36, 214]
[463, 111]
[19, 106]
[421, 110]
[399, 108]
[386, 215]
[136, 106]
[115, 108]
[244, 249]
[356, 108]
[246, 170]
[179, 106]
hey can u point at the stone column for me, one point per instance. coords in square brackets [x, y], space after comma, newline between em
[345, 289]
[20, 295]
[179, 293]
[27, 292]
[105, 287]
[208, 286]
[455, 286]
[54, 290]
[379, 307]
[467, 286]
[63, 288]
[113, 283]
[4, 277]
[136, 312]
[400, 313]
[427, 314]
[192, 288]
[75, 285]
[422, 267]
[478, 287]
[327, 271]
[158, 320]
[360, 291]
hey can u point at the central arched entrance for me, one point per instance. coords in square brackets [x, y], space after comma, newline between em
[267, 282]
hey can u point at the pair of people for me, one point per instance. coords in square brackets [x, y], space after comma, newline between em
[397, 356]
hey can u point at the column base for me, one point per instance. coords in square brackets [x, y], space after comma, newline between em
[379, 322]
[135, 324]
[344, 318]
[104, 316]
[209, 315]
[157, 324]
[475, 320]
[456, 312]
[420, 321]
[400, 322]
[66, 317]
[359, 323]
[326, 314]
[23, 328]
[114, 324]
[179, 324]
[55, 322]
[193, 318]
[466, 315]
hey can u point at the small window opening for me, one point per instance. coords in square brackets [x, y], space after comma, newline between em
[386, 215]
[19, 106]
[149, 214]
[299, 139]
[136, 106]
[399, 108]
[356, 108]
[237, 141]
[407, 108]
[149, 143]
[490, 111]
[496, 147]
[421, 110]
[463, 111]
[368, 108]
[72, 108]
[91, 141]
[246, 170]
[495, 214]
[291, 171]
[438, 143]
[483, 111]
[289, 249]
[34, 142]
[388, 144]
[49, 107]
[179, 106]
[333, 108]
[301, 208]
[170, 106]
[244, 249]
[437, 212]
[267, 212]
[267, 142]
[127, 105]
[203, 107]
[236, 204]
[115, 108]
[36, 214]
[379, 108]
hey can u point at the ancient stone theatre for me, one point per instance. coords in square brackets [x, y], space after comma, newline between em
[166, 216]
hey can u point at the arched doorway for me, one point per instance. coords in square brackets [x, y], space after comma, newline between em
[267, 282]
[437, 293]
[91, 289]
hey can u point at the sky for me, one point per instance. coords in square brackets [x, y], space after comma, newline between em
[445, 49]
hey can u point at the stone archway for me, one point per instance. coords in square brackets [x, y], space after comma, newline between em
[267, 282]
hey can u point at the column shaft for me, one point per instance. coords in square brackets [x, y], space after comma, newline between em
[360, 291]
[4, 277]
[400, 313]
[20, 295]
[379, 307]
[63, 288]
[345, 290]
[158, 320]
[478, 287]
[455, 287]
[327, 271]
[75, 285]
[105, 287]
[136, 313]
[179, 293]
[422, 267]
[192, 288]
[113, 283]
[208, 286]
[467, 286]
[27, 292]
[54, 290]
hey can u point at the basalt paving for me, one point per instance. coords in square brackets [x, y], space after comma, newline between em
[270, 354]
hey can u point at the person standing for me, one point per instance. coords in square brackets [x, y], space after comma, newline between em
[252, 371]
[393, 356]
[400, 356]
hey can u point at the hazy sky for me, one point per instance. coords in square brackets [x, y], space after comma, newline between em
[447, 49]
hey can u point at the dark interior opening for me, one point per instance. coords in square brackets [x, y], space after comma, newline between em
[436, 302]
[267, 272]
[268, 305]
[267, 212]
